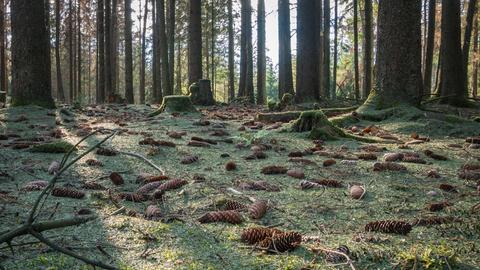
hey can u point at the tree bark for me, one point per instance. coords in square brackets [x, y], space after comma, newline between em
[231, 54]
[285, 77]
[355, 50]
[472, 8]
[427, 74]
[30, 54]
[79, 52]
[60, 92]
[246, 53]
[261, 57]
[171, 39]
[143, 55]
[70, 52]
[367, 49]
[307, 52]
[195, 42]
[101, 51]
[326, 47]
[128, 53]
[108, 51]
[475, 57]
[399, 55]
[452, 87]
[167, 89]
[335, 53]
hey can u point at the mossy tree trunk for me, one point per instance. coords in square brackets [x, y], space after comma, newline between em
[398, 68]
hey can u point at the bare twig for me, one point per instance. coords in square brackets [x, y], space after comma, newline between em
[317, 248]
[149, 162]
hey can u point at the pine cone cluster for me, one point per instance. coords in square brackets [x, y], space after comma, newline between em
[132, 197]
[389, 226]
[337, 258]
[92, 185]
[232, 217]
[106, 152]
[234, 205]
[258, 209]
[94, 163]
[432, 221]
[274, 170]
[67, 192]
[35, 185]
[153, 213]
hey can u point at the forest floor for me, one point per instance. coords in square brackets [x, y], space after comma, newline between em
[327, 217]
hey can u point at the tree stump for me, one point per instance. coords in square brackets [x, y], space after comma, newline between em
[172, 104]
[201, 93]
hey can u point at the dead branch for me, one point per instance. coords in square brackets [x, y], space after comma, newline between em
[149, 162]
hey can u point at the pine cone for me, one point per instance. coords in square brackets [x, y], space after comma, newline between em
[329, 162]
[274, 170]
[234, 205]
[147, 188]
[116, 178]
[67, 192]
[337, 258]
[470, 175]
[413, 159]
[252, 236]
[432, 221]
[388, 166]
[282, 242]
[389, 226]
[106, 152]
[329, 183]
[432, 155]
[172, 184]
[258, 209]
[92, 185]
[232, 217]
[189, 159]
[448, 188]
[35, 185]
[132, 197]
[94, 163]
[309, 185]
[435, 207]
[367, 156]
[153, 213]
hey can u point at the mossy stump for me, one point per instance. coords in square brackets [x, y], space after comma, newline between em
[172, 104]
[53, 147]
[201, 93]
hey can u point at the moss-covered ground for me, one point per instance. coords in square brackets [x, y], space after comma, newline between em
[327, 215]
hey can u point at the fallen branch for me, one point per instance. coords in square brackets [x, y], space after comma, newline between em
[162, 171]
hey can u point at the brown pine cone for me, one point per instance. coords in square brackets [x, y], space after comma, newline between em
[413, 159]
[116, 178]
[282, 242]
[448, 188]
[67, 192]
[431, 154]
[337, 258]
[435, 207]
[432, 221]
[92, 185]
[388, 166]
[232, 217]
[172, 184]
[389, 226]
[94, 163]
[367, 156]
[147, 188]
[309, 185]
[258, 209]
[274, 170]
[35, 185]
[329, 183]
[153, 213]
[106, 152]
[254, 235]
[189, 159]
[234, 205]
[132, 197]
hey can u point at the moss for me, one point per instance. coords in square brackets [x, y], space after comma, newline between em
[430, 257]
[41, 103]
[173, 104]
[53, 147]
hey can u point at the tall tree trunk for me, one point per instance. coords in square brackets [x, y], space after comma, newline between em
[355, 50]
[114, 46]
[367, 49]
[3, 62]
[79, 51]
[231, 54]
[101, 51]
[452, 87]
[167, 89]
[399, 54]
[143, 55]
[128, 53]
[335, 53]
[212, 47]
[108, 51]
[475, 57]
[195, 42]
[261, 58]
[60, 93]
[307, 52]
[171, 39]
[427, 74]
[285, 77]
[178, 84]
[326, 47]
[472, 8]
[30, 54]
[246, 53]
[70, 52]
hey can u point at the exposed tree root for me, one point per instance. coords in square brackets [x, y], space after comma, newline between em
[286, 117]
[174, 104]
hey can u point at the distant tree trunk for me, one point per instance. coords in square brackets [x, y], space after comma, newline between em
[212, 48]
[60, 93]
[128, 53]
[79, 52]
[320, 44]
[231, 54]
[101, 51]
[108, 51]
[335, 53]
[285, 77]
[246, 53]
[367, 48]
[167, 89]
[178, 87]
[156, 68]
[472, 7]
[143, 55]
[171, 39]
[307, 52]
[195, 42]
[427, 78]
[355, 50]
[30, 54]
[452, 87]
[475, 57]
[261, 58]
[114, 47]
[3, 62]
[326, 48]
[399, 54]
[70, 51]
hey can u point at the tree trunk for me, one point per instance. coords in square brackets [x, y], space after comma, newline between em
[285, 77]
[326, 48]
[60, 93]
[128, 53]
[355, 50]
[231, 54]
[307, 52]
[246, 53]
[367, 49]
[452, 87]
[195, 42]
[475, 57]
[108, 51]
[212, 47]
[321, 50]
[335, 53]
[101, 51]
[261, 58]
[427, 78]
[70, 51]
[171, 40]
[399, 55]
[114, 48]
[143, 55]
[472, 8]
[167, 89]
[79, 52]
[156, 69]
[30, 54]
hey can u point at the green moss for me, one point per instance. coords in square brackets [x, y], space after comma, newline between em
[50, 104]
[53, 147]
[173, 104]
[430, 257]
